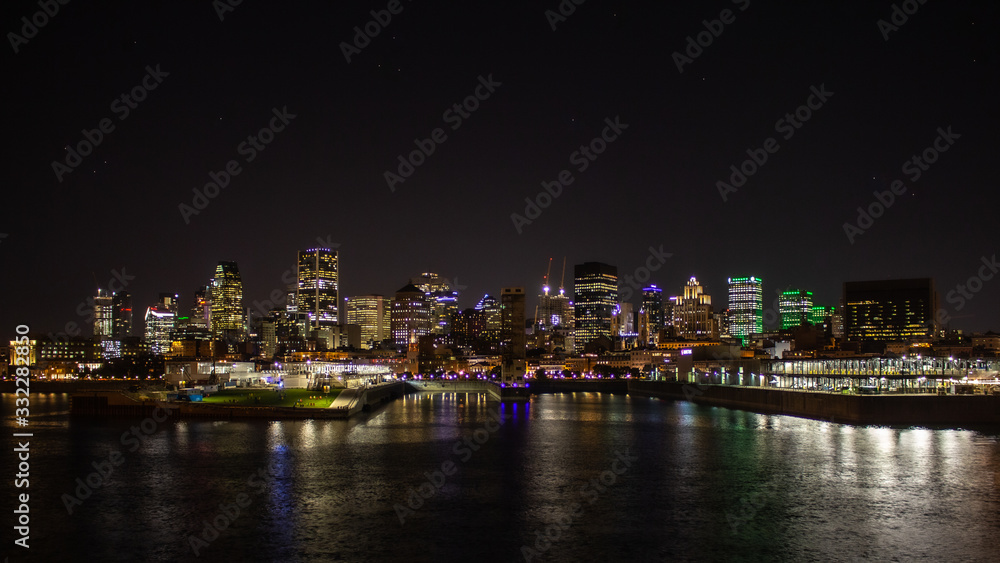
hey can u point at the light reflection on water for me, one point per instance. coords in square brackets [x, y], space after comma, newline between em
[816, 490]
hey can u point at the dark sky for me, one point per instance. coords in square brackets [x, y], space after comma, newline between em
[322, 176]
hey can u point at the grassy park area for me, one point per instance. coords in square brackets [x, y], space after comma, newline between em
[304, 398]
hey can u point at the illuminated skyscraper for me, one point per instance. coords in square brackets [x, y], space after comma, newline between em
[795, 307]
[372, 314]
[442, 298]
[490, 308]
[595, 295]
[228, 315]
[318, 293]
[160, 323]
[878, 311]
[169, 302]
[201, 308]
[103, 315]
[410, 317]
[651, 315]
[694, 316]
[746, 307]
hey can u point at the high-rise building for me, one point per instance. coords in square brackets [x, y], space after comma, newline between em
[878, 311]
[103, 315]
[170, 302]
[651, 315]
[121, 315]
[201, 308]
[410, 317]
[442, 298]
[318, 291]
[372, 314]
[490, 308]
[513, 348]
[694, 316]
[795, 307]
[595, 295]
[160, 324]
[746, 307]
[228, 319]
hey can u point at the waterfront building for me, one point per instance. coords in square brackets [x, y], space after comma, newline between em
[513, 350]
[890, 310]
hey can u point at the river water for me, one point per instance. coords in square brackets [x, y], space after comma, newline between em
[568, 477]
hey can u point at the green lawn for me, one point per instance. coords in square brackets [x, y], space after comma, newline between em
[304, 398]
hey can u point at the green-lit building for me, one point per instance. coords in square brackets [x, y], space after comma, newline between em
[746, 307]
[795, 307]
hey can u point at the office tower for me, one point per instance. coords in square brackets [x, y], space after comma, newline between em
[623, 320]
[318, 291]
[228, 317]
[513, 350]
[491, 312]
[169, 302]
[103, 315]
[746, 307]
[160, 324]
[468, 328]
[878, 311]
[651, 315]
[121, 315]
[595, 294]
[372, 314]
[795, 307]
[442, 298]
[694, 317]
[201, 308]
[410, 317]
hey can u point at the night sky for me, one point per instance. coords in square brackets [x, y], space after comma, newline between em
[655, 185]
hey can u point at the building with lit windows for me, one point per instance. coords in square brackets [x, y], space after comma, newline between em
[442, 298]
[228, 318]
[201, 308]
[103, 315]
[160, 325]
[795, 307]
[652, 317]
[372, 314]
[595, 295]
[746, 307]
[890, 310]
[490, 308]
[410, 317]
[318, 290]
[694, 317]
